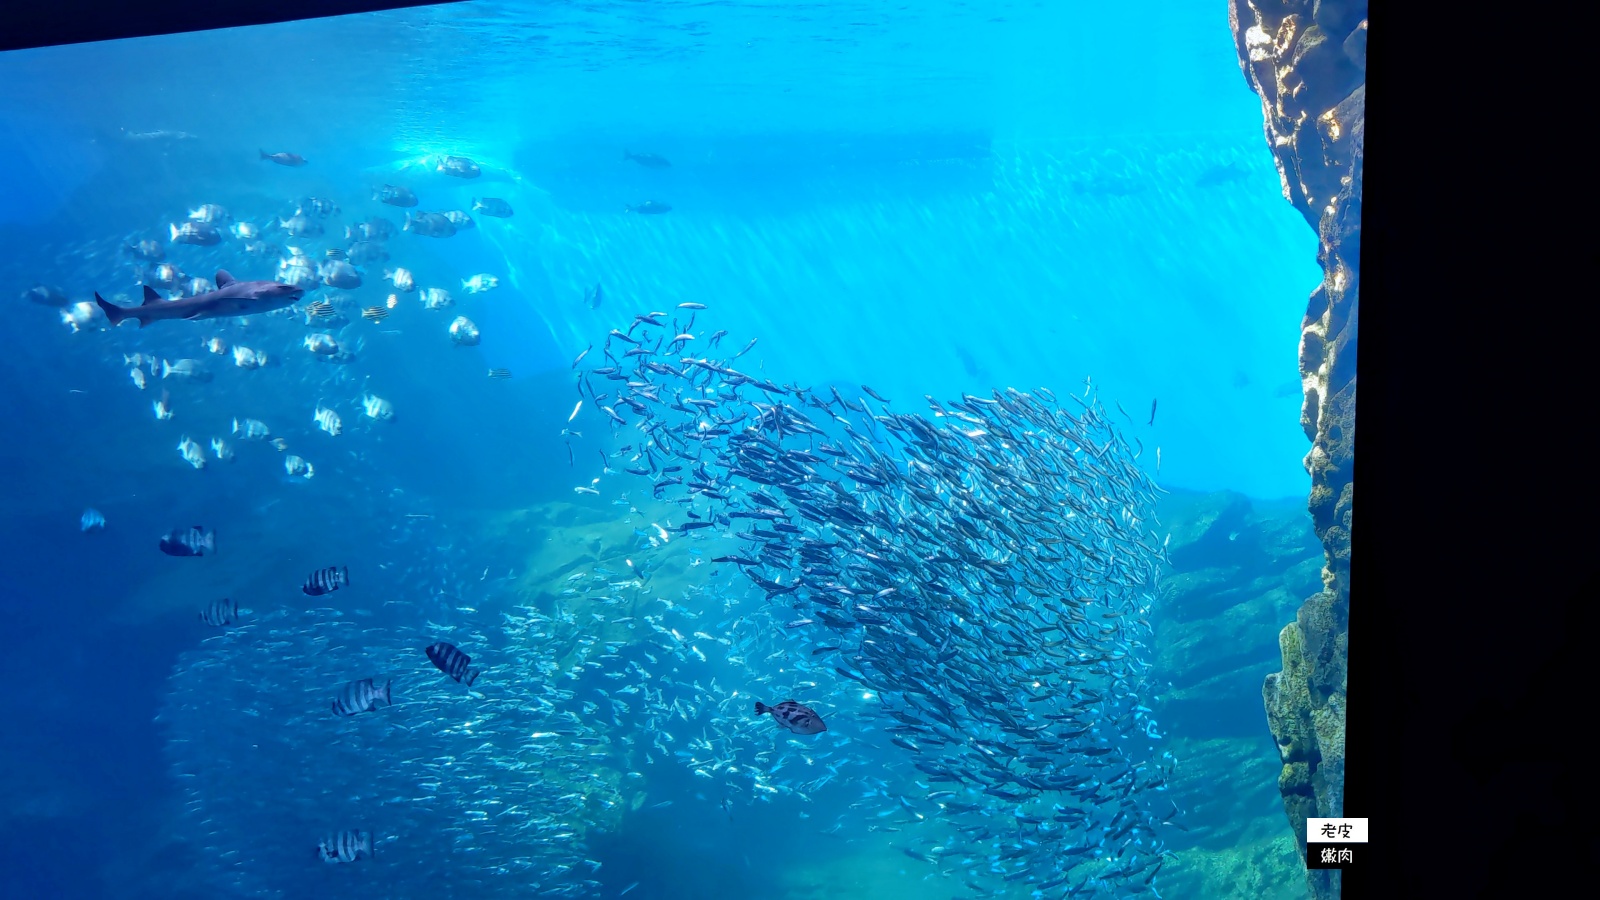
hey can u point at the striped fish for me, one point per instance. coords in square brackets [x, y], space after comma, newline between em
[361, 696]
[320, 309]
[345, 846]
[220, 612]
[192, 541]
[326, 581]
[452, 662]
[375, 314]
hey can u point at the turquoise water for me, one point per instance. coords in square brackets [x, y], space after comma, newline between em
[946, 199]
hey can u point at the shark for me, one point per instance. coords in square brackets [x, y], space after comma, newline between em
[231, 298]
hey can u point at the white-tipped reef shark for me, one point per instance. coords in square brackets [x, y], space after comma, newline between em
[231, 298]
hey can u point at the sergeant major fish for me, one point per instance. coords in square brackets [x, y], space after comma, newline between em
[326, 581]
[452, 662]
[376, 407]
[219, 613]
[345, 847]
[402, 279]
[361, 696]
[245, 358]
[192, 541]
[479, 284]
[328, 421]
[251, 429]
[191, 453]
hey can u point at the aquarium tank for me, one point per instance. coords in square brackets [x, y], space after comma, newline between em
[678, 450]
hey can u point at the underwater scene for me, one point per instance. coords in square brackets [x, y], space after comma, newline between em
[668, 450]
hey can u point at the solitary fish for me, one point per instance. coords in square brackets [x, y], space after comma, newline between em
[499, 373]
[394, 195]
[200, 234]
[231, 298]
[459, 166]
[92, 519]
[492, 206]
[452, 662]
[326, 581]
[464, 332]
[218, 613]
[284, 159]
[648, 160]
[791, 715]
[361, 696]
[345, 846]
[649, 207]
[192, 541]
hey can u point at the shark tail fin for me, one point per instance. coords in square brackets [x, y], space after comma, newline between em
[114, 314]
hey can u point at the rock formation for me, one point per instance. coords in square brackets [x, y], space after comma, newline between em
[1306, 59]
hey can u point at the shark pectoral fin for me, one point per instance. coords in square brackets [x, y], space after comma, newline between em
[223, 278]
[150, 296]
[192, 316]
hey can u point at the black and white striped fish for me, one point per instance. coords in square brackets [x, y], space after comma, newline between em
[345, 846]
[220, 612]
[361, 696]
[326, 581]
[452, 662]
[191, 541]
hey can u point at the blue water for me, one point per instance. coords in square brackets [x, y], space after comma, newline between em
[932, 200]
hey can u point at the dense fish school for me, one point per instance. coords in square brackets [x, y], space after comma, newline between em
[930, 614]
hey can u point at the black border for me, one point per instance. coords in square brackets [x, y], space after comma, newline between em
[29, 23]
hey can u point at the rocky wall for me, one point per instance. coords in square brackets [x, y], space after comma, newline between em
[1306, 60]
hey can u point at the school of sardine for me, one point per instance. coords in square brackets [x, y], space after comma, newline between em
[929, 617]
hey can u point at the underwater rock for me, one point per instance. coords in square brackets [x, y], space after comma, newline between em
[1307, 62]
[1221, 612]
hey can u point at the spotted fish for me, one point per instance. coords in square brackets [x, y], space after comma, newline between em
[793, 716]
[452, 662]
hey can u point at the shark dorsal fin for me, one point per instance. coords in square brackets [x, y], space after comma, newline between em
[150, 296]
[223, 278]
